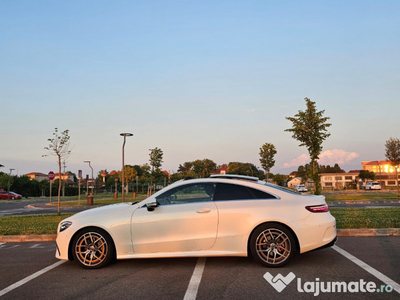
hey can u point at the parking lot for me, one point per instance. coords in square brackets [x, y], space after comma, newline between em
[372, 271]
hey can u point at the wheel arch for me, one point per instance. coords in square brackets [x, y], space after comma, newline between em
[297, 244]
[103, 231]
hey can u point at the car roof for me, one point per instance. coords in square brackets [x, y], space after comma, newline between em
[234, 176]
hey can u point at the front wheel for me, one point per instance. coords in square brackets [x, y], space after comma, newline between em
[93, 248]
[272, 245]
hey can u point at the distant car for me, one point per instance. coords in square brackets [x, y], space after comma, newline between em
[301, 188]
[10, 195]
[373, 185]
[224, 215]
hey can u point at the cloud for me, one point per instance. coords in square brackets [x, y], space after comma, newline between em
[337, 156]
[299, 161]
[328, 157]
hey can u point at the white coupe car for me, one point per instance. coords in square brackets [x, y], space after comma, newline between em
[224, 215]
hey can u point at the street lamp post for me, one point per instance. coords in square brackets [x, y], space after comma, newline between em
[88, 161]
[123, 163]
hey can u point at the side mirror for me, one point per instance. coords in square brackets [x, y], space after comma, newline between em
[151, 206]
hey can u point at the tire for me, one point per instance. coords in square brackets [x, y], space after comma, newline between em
[272, 245]
[93, 248]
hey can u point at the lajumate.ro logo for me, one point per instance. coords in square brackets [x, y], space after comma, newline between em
[280, 282]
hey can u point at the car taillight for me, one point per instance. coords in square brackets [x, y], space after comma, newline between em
[318, 208]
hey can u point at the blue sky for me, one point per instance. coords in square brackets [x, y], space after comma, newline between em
[198, 79]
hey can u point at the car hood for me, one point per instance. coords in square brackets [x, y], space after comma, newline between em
[107, 209]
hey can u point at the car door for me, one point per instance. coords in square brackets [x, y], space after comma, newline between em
[186, 219]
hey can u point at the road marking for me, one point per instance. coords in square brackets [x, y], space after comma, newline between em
[29, 278]
[369, 269]
[36, 246]
[194, 283]
[15, 246]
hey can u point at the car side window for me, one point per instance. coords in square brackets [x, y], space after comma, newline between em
[190, 193]
[227, 191]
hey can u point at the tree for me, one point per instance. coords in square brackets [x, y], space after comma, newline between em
[328, 169]
[392, 153]
[129, 174]
[246, 169]
[279, 179]
[365, 174]
[199, 168]
[59, 147]
[4, 180]
[309, 127]
[203, 167]
[267, 153]
[186, 169]
[156, 156]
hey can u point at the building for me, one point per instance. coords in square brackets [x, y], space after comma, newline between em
[292, 183]
[338, 181]
[37, 176]
[41, 176]
[222, 170]
[385, 173]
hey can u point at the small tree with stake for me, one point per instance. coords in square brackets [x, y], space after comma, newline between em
[392, 153]
[309, 127]
[59, 146]
[267, 153]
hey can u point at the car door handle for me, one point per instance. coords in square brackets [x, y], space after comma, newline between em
[203, 211]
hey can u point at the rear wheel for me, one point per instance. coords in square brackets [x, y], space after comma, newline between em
[272, 245]
[93, 248]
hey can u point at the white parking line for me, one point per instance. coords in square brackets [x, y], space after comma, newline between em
[194, 283]
[29, 278]
[369, 269]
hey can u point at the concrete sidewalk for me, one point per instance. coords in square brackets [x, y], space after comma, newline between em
[340, 232]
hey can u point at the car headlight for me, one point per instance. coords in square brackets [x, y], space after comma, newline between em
[64, 225]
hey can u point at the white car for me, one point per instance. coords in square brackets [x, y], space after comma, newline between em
[301, 188]
[224, 215]
[373, 186]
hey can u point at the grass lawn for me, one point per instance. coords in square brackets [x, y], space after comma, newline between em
[366, 217]
[345, 218]
[361, 195]
[30, 224]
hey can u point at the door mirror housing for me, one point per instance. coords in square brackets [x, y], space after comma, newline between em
[151, 206]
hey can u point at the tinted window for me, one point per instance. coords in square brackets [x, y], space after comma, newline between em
[227, 191]
[260, 194]
[187, 194]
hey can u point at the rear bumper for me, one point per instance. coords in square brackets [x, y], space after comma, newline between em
[330, 244]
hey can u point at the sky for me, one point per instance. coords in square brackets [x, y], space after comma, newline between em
[197, 79]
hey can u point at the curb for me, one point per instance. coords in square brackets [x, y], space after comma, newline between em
[27, 238]
[340, 232]
[369, 232]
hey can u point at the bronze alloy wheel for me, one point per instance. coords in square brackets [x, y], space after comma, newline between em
[92, 249]
[272, 245]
